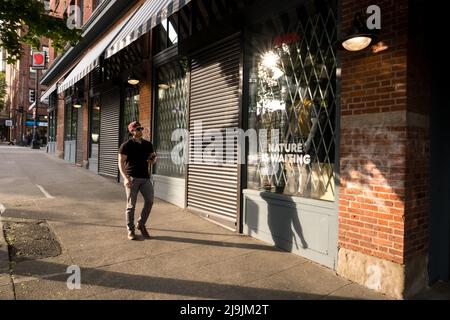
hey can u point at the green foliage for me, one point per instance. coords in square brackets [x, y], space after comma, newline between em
[2, 90]
[26, 21]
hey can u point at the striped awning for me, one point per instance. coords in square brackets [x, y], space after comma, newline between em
[146, 17]
[91, 59]
[49, 91]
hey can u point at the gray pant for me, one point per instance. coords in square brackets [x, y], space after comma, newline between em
[144, 186]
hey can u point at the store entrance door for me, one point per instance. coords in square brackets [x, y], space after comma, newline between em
[213, 171]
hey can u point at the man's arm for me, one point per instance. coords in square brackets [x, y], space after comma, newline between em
[122, 160]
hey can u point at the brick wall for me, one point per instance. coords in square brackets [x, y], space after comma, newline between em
[85, 110]
[374, 83]
[417, 192]
[88, 9]
[384, 141]
[373, 147]
[60, 126]
[19, 83]
[372, 191]
[13, 96]
[145, 91]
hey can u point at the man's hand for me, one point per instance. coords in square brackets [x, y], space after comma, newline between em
[127, 182]
[151, 159]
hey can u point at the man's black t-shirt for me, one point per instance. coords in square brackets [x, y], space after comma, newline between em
[137, 154]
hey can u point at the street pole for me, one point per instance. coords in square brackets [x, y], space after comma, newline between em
[35, 143]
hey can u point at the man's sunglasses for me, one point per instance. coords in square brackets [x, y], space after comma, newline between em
[139, 129]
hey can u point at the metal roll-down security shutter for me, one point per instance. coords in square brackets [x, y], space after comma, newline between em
[109, 132]
[213, 189]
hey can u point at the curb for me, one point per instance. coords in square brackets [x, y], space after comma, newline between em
[4, 256]
[6, 291]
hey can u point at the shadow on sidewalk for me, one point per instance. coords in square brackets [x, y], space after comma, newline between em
[91, 278]
[38, 215]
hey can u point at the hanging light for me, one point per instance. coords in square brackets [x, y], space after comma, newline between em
[133, 79]
[76, 103]
[164, 86]
[359, 36]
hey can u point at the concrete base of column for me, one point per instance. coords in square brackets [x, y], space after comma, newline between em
[393, 279]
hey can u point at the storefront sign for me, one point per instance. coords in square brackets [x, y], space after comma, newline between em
[38, 61]
[39, 124]
[286, 153]
[286, 39]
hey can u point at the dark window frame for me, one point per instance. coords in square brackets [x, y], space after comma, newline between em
[161, 45]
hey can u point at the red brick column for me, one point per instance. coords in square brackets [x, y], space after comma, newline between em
[383, 196]
[60, 126]
[145, 106]
[85, 110]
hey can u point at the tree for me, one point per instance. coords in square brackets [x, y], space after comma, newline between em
[26, 22]
[2, 90]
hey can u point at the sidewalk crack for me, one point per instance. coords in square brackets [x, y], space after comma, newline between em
[329, 294]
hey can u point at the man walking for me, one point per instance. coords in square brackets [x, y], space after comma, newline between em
[135, 156]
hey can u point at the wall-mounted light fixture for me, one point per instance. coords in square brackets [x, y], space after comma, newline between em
[77, 96]
[133, 79]
[94, 137]
[77, 103]
[359, 37]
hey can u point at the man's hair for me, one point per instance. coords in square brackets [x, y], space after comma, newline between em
[133, 125]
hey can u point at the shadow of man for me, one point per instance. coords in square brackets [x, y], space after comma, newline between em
[284, 224]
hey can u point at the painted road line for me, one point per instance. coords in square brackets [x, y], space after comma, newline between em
[46, 194]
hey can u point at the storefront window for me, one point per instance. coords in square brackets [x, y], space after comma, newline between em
[130, 110]
[52, 117]
[52, 126]
[292, 87]
[70, 119]
[95, 125]
[172, 99]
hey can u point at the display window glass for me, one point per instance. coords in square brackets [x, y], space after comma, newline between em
[292, 98]
[171, 114]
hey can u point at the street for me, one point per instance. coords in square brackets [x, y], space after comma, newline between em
[187, 257]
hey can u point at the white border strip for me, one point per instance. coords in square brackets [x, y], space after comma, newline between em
[46, 194]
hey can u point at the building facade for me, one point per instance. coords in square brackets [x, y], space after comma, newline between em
[263, 125]
[4, 111]
[23, 91]
[23, 88]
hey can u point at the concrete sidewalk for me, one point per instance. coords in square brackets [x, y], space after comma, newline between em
[187, 258]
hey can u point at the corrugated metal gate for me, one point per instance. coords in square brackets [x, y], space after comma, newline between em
[109, 133]
[213, 187]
